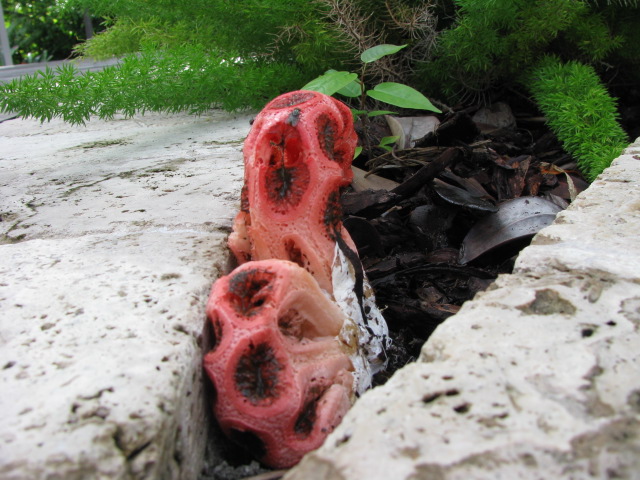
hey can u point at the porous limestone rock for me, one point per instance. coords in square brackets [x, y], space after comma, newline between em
[111, 236]
[538, 377]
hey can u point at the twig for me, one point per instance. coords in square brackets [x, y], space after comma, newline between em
[427, 173]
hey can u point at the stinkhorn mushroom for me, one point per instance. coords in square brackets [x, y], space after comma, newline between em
[297, 158]
[283, 378]
[299, 273]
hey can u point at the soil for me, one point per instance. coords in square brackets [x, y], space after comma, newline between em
[417, 242]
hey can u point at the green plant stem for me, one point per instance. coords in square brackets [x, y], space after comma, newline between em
[366, 121]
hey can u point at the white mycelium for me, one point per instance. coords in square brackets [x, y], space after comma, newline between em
[371, 331]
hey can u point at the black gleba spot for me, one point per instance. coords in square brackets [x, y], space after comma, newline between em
[332, 215]
[291, 99]
[249, 290]
[306, 419]
[326, 135]
[257, 373]
[282, 180]
[287, 177]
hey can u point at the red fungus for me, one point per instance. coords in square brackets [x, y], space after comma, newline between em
[297, 158]
[297, 332]
[281, 375]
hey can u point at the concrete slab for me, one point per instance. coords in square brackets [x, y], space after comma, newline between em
[111, 236]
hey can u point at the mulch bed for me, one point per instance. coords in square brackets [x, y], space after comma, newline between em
[411, 239]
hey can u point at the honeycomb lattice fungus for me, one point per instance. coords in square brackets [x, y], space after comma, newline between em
[283, 378]
[297, 331]
[297, 159]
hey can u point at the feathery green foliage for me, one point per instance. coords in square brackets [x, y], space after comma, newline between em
[496, 42]
[231, 53]
[182, 79]
[237, 27]
[580, 111]
[499, 43]
[179, 56]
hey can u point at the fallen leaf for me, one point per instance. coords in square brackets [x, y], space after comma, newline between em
[364, 235]
[554, 169]
[495, 117]
[411, 129]
[515, 220]
[370, 181]
[462, 198]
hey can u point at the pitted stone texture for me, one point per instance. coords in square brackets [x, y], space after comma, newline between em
[119, 176]
[538, 377]
[110, 248]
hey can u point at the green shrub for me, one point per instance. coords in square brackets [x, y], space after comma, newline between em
[231, 54]
[240, 28]
[493, 43]
[496, 44]
[41, 30]
[580, 111]
[492, 40]
[181, 79]
[178, 56]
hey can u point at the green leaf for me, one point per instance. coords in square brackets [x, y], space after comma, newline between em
[402, 96]
[375, 53]
[386, 141]
[375, 113]
[357, 152]
[351, 90]
[330, 82]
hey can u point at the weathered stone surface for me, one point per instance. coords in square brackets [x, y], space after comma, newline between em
[538, 377]
[111, 237]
